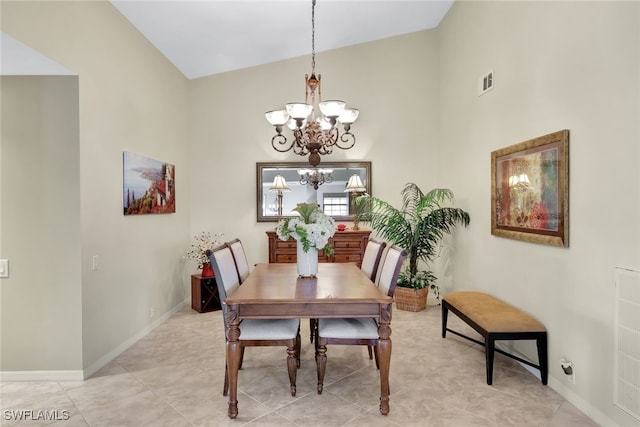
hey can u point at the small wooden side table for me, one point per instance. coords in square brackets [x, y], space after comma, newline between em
[204, 294]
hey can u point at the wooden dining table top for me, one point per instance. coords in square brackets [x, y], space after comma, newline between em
[278, 283]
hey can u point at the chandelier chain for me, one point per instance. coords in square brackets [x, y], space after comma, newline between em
[313, 37]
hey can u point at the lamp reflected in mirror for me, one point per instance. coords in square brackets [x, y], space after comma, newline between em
[279, 186]
[355, 188]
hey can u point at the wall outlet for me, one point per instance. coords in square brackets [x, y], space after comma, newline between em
[94, 263]
[152, 312]
[569, 369]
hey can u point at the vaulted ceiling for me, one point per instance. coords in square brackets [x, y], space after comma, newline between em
[208, 37]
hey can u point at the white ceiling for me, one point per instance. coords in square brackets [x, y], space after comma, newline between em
[205, 37]
[208, 37]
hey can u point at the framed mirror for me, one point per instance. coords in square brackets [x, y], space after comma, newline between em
[324, 185]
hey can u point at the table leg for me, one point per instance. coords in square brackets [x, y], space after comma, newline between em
[234, 354]
[384, 357]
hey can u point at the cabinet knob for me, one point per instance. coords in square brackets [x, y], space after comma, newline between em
[347, 244]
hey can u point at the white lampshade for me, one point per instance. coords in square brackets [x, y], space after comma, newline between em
[348, 116]
[279, 184]
[277, 117]
[332, 108]
[298, 110]
[355, 185]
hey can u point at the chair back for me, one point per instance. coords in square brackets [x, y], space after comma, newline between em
[371, 258]
[225, 273]
[390, 270]
[240, 259]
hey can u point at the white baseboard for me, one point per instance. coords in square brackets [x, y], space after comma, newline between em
[77, 375]
[41, 376]
[104, 360]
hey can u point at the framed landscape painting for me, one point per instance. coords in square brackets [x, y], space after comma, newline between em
[149, 185]
[530, 190]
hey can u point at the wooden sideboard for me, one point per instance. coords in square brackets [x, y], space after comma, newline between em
[348, 245]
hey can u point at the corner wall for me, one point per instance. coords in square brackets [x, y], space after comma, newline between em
[557, 65]
[40, 301]
[130, 98]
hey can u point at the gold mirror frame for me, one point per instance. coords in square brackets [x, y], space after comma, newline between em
[266, 171]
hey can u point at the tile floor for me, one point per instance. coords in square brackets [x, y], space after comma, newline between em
[173, 377]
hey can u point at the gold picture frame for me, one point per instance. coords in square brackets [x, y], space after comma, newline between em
[530, 190]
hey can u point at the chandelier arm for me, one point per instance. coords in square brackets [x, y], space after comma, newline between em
[329, 138]
[349, 140]
[300, 146]
[280, 140]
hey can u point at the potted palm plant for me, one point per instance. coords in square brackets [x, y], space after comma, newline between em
[418, 226]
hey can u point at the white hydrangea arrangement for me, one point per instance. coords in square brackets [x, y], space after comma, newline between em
[313, 228]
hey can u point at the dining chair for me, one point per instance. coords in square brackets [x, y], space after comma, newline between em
[370, 261]
[254, 332]
[371, 258]
[239, 258]
[358, 331]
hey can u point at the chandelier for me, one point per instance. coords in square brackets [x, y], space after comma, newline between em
[314, 123]
[315, 177]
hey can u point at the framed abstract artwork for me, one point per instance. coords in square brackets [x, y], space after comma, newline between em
[149, 185]
[530, 190]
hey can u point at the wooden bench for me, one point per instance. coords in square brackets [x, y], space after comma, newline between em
[496, 320]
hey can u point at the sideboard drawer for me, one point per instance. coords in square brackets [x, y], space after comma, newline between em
[286, 257]
[286, 244]
[354, 257]
[342, 243]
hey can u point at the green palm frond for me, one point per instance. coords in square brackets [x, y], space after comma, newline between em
[418, 226]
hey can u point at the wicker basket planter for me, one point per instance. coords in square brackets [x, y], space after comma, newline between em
[409, 299]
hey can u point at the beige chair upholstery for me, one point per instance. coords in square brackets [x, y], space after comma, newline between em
[357, 331]
[240, 259]
[255, 332]
[371, 258]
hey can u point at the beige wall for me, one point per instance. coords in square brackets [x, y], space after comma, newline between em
[130, 98]
[40, 302]
[558, 65]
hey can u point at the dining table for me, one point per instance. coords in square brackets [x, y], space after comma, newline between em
[275, 291]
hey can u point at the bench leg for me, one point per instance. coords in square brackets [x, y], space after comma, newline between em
[543, 361]
[445, 312]
[490, 345]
